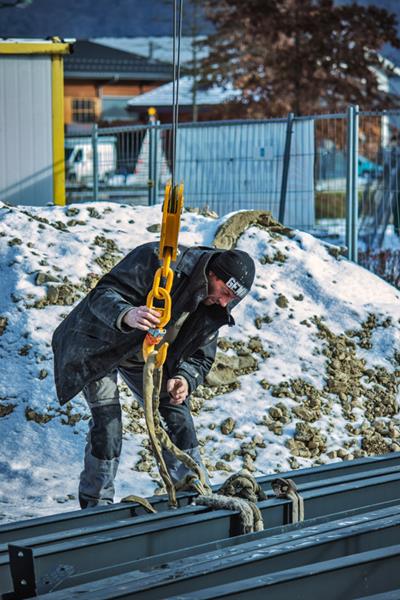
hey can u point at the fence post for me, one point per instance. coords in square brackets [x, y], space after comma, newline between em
[352, 183]
[150, 171]
[95, 163]
[156, 166]
[152, 181]
[285, 169]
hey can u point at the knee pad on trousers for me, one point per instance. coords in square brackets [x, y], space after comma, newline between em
[106, 432]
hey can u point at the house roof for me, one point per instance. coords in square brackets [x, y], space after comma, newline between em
[162, 96]
[158, 48]
[96, 61]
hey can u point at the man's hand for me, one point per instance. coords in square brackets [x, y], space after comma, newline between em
[178, 390]
[142, 317]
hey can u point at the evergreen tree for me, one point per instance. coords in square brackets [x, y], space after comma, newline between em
[303, 56]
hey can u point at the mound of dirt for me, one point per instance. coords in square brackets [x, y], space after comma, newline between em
[231, 230]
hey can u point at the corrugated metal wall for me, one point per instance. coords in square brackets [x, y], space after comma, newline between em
[26, 154]
[239, 166]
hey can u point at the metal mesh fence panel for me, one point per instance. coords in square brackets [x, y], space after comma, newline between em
[236, 166]
[379, 178]
[226, 166]
[296, 168]
[379, 194]
[118, 158]
[330, 176]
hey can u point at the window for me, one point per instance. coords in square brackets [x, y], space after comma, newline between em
[83, 110]
[114, 108]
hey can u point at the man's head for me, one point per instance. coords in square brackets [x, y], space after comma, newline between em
[230, 276]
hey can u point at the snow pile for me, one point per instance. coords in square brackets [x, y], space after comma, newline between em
[309, 374]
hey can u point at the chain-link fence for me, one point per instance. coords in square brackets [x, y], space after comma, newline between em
[336, 176]
[226, 166]
[379, 194]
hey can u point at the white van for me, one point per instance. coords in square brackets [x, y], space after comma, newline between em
[79, 159]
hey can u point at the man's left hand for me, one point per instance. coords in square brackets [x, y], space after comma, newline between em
[178, 390]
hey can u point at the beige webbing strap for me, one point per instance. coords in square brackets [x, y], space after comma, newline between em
[239, 492]
[139, 500]
[251, 519]
[286, 488]
[151, 391]
[243, 485]
[191, 483]
[152, 377]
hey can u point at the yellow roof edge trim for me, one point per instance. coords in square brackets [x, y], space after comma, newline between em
[35, 48]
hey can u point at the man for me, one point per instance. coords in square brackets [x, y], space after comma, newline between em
[103, 336]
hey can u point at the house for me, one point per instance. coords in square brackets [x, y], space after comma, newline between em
[205, 103]
[99, 80]
[195, 103]
[160, 47]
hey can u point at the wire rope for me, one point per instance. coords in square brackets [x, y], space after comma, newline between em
[176, 58]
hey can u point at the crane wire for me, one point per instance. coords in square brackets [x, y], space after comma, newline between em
[176, 57]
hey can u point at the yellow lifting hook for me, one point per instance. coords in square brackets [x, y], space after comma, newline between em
[171, 218]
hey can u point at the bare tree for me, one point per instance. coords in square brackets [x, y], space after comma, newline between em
[302, 56]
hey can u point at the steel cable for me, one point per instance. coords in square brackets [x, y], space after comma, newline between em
[176, 58]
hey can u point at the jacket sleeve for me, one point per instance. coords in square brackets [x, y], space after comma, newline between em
[110, 307]
[195, 368]
[124, 287]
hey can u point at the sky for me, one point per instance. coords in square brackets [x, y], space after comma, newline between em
[95, 18]
[312, 322]
[84, 19]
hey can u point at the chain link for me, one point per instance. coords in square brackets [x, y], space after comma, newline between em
[172, 208]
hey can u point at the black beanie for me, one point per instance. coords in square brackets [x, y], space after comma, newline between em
[236, 268]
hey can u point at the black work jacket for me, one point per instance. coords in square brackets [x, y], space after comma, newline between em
[88, 344]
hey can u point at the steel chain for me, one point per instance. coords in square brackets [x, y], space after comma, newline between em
[172, 208]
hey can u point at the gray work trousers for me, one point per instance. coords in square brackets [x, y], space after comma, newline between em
[104, 439]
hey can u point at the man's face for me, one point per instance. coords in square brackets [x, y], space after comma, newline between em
[218, 292]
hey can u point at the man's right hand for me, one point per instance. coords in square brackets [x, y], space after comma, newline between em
[142, 317]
